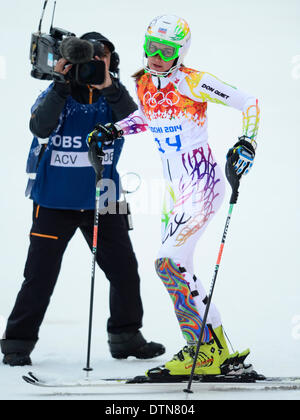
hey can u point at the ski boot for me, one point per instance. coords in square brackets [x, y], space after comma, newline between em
[179, 368]
[235, 366]
[222, 344]
[134, 344]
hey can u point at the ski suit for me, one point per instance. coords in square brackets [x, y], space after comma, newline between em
[174, 109]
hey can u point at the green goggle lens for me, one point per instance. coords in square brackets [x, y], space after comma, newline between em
[166, 50]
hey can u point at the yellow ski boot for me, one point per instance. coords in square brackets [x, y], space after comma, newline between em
[222, 344]
[180, 367]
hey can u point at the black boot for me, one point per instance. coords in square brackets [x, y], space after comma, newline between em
[134, 344]
[17, 359]
[17, 352]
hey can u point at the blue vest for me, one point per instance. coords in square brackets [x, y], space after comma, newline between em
[64, 177]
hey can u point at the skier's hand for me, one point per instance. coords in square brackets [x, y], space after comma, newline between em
[240, 158]
[95, 141]
[104, 135]
[95, 153]
[239, 161]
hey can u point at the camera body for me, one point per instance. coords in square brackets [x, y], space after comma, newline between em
[47, 49]
[45, 52]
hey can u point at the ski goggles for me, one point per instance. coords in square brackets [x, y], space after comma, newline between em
[165, 49]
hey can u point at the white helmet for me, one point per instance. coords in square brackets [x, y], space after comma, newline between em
[174, 34]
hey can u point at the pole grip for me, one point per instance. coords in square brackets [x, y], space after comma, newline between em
[234, 195]
[233, 178]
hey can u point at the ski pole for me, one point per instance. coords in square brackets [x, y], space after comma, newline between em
[233, 201]
[95, 243]
[96, 162]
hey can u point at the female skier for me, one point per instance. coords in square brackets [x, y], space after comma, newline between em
[173, 105]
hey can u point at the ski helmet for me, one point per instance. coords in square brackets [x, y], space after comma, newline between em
[170, 37]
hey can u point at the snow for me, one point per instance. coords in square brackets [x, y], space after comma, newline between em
[64, 360]
[253, 45]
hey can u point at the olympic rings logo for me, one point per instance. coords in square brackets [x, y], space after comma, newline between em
[159, 98]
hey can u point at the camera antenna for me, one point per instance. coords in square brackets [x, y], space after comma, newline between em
[53, 13]
[42, 16]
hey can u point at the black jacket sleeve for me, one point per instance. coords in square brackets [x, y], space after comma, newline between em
[119, 100]
[45, 118]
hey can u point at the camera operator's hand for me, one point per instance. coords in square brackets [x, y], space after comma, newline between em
[61, 84]
[107, 81]
[61, 66]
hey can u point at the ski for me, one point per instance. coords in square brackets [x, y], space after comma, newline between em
[47, 382]
[218, 382]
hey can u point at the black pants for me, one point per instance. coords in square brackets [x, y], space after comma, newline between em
[49, 236]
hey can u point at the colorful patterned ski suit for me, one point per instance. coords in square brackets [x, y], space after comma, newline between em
[174, 109]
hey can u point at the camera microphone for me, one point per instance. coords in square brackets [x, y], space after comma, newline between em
[77, 51]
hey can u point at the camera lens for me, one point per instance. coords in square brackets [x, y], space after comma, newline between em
[86, 72]
[91, 73]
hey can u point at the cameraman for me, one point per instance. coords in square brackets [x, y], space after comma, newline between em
[63, 195]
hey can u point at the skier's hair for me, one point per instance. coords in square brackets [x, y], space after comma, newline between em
[138, 74]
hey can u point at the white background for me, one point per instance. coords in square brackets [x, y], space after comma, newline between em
[252, 45]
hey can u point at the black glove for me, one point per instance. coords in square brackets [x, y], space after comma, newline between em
[241, 156]
[100, 136]
[95, 156]
[239, 161]
[104, 135]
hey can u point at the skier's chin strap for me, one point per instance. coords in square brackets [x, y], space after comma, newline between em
[162, 73]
